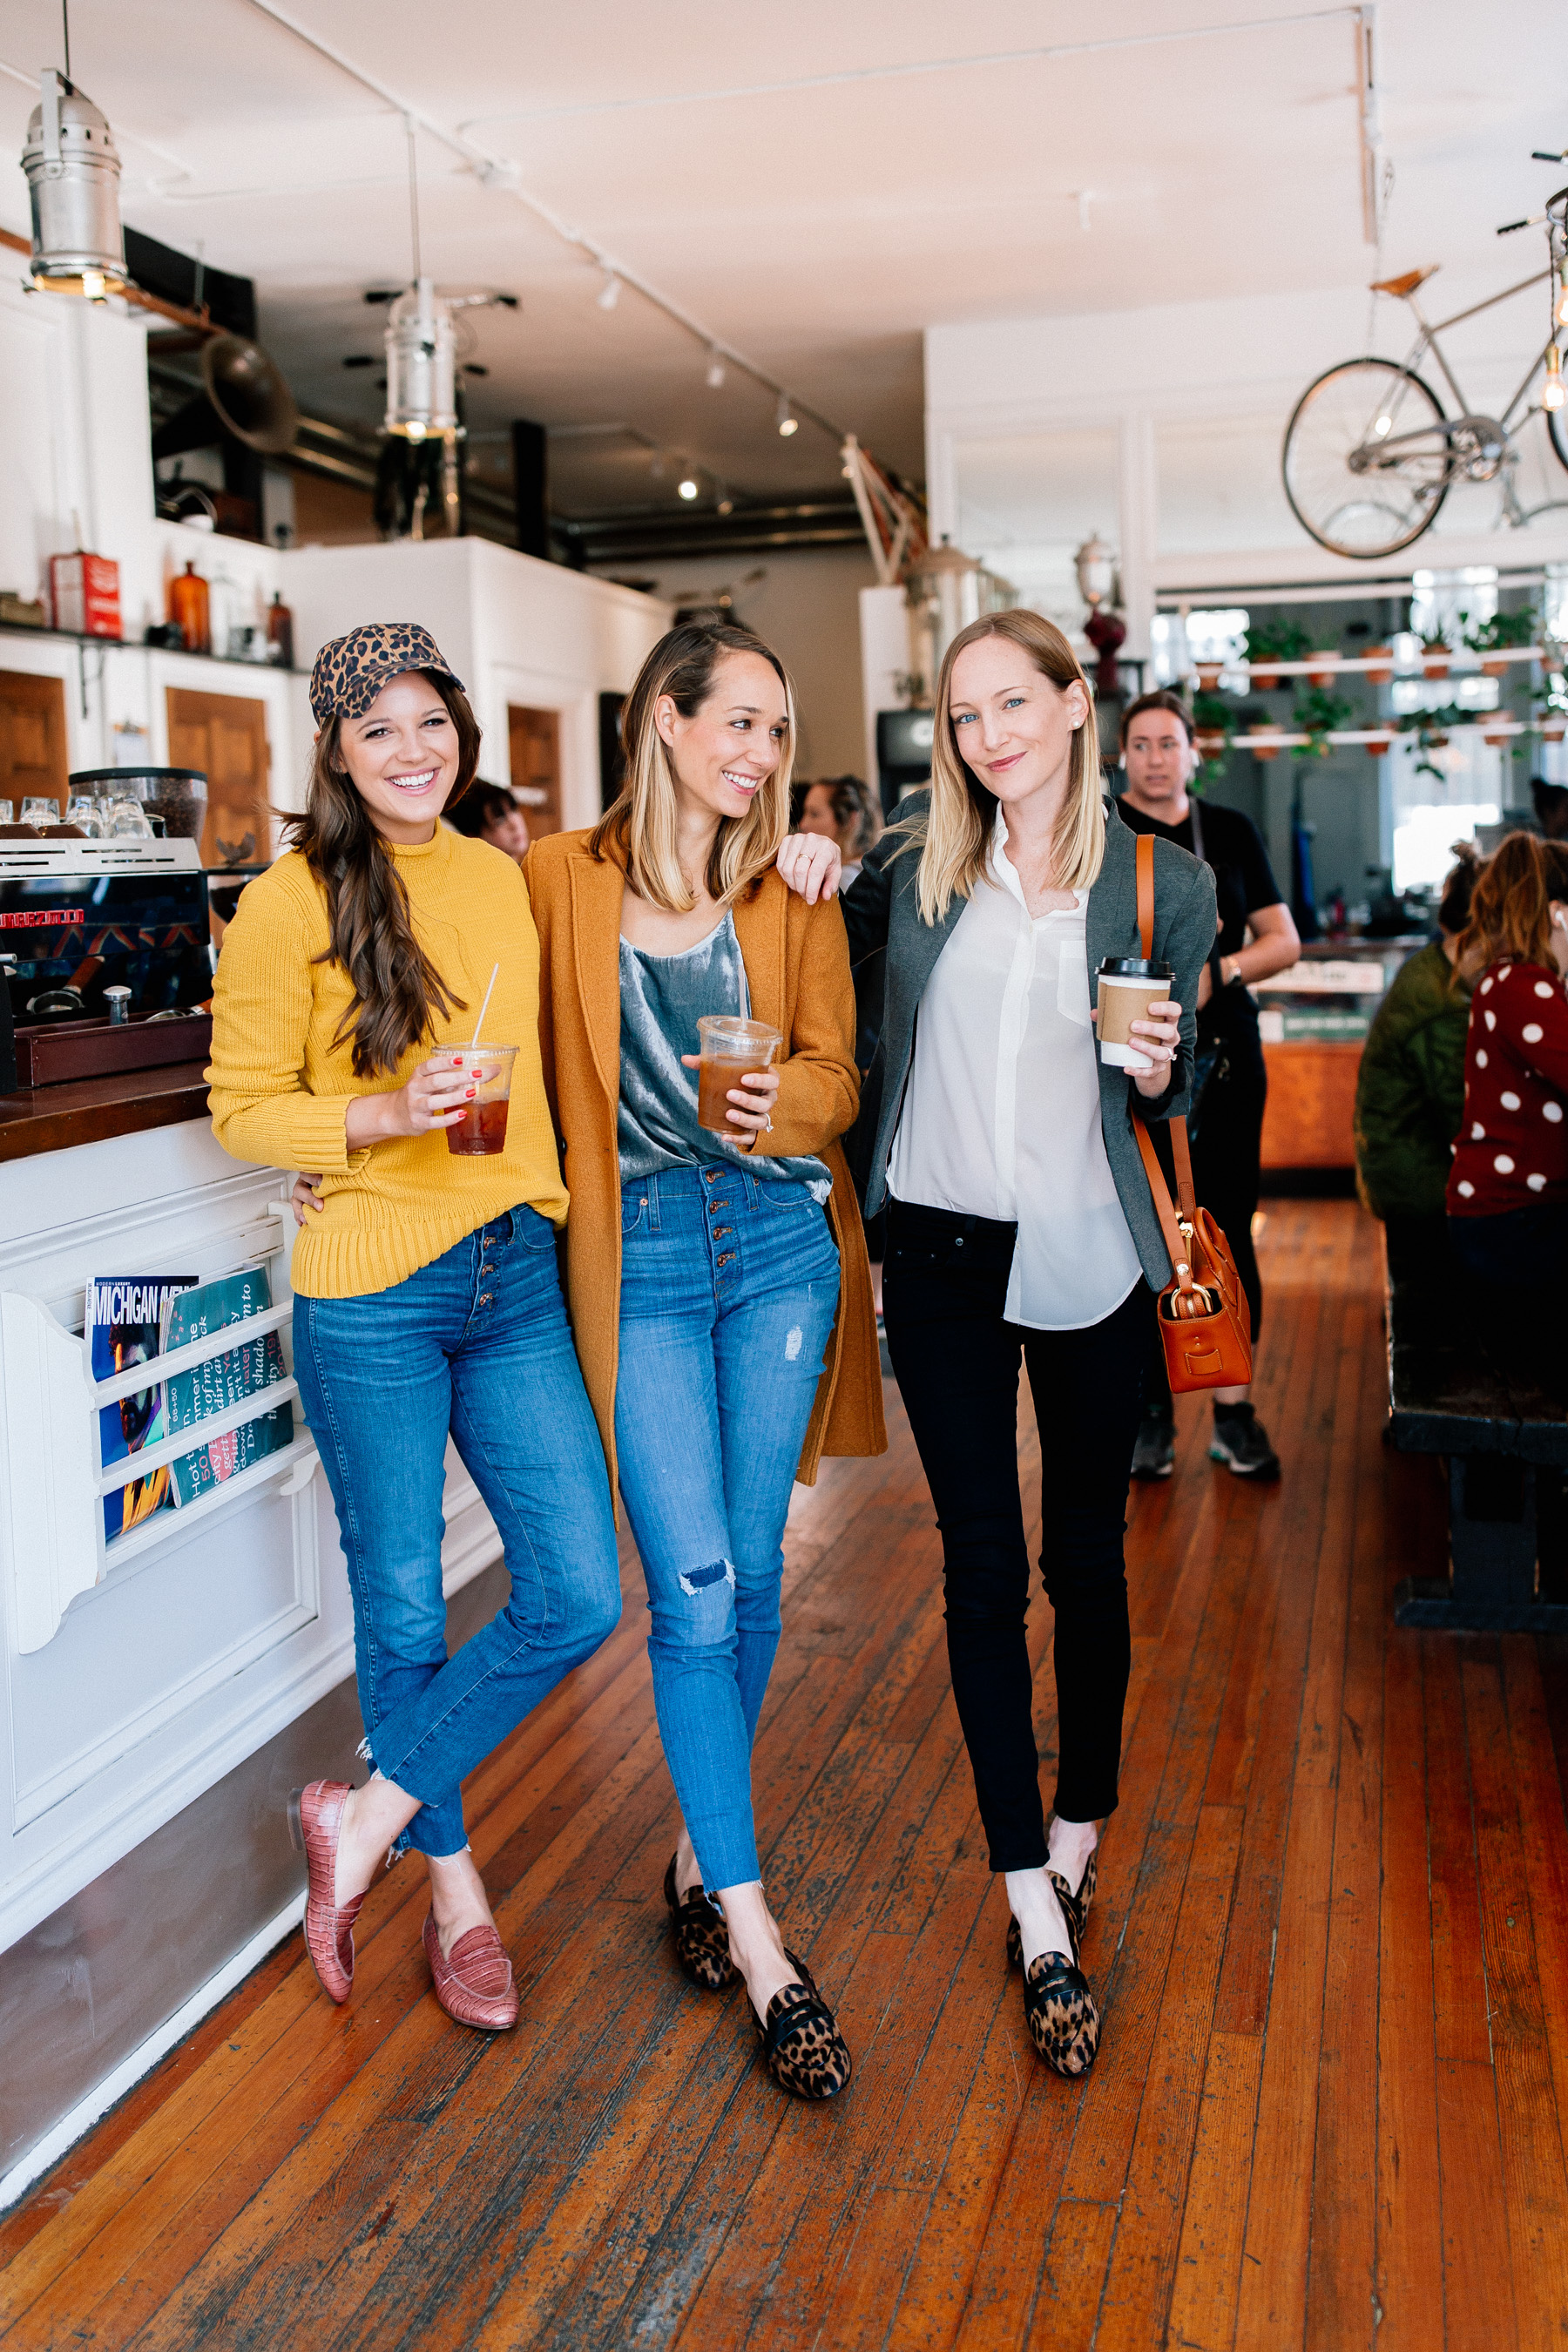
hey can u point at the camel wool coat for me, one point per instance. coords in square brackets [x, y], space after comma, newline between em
[797, 968]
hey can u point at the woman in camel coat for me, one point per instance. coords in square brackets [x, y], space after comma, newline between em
[718, 1285]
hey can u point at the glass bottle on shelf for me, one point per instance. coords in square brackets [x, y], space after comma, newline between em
[280, 630]
[189, 610]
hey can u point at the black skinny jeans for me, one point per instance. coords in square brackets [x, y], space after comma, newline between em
[944, 1284]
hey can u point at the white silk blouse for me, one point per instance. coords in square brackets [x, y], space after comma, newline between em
[1001, 1113]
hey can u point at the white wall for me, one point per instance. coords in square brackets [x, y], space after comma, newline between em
[806, 604]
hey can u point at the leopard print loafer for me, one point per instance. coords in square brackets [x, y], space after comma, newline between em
[701, 1939]
[801, 2047]
[1074, 1911]
[1063, 2018]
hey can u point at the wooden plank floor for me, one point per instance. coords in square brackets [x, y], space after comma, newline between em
[1332, 1947]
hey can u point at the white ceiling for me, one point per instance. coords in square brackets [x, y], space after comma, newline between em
[813, 183]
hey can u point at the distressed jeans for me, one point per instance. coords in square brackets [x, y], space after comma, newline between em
[729, 1289]
[476, 1343]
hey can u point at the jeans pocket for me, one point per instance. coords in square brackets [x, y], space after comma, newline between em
[534, 1232]
[633, 1212]
[781, 1193]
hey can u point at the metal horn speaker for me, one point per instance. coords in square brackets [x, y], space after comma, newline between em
[249, 393]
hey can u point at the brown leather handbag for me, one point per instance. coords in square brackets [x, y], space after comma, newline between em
[1206, 1324]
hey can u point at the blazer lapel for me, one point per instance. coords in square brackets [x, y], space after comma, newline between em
[1112, 909]
[598, 886]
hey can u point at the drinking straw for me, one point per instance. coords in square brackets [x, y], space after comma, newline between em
[484, 1007]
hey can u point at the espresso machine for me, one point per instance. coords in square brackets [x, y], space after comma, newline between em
[99, 940]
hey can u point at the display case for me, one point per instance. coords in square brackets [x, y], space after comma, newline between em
[1313, 1019]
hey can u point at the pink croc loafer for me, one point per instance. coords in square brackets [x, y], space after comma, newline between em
[315, 1823]
[473, 1981]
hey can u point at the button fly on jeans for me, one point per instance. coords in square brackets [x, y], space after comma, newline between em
[727, 1258]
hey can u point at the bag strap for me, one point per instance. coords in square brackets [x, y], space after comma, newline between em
[1178, 1241]
[1145, 850]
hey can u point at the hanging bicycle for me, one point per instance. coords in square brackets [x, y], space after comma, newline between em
[1371, 454]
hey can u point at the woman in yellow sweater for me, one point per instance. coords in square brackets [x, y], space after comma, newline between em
[426, 1297]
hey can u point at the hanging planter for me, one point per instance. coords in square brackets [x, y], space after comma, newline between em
[1268, 642]
[1435, 653]
[1497, 741]
[1210, 742]
[1489, 639]
[1317, 715]
[1553, 729]
[1383, 656]
[1325, 676]
[1264, 745]
[1376, 745]
[1208, 675]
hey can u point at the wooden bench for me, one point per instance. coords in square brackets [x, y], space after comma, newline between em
[1451, 1394]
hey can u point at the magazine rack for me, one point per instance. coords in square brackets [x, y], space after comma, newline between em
[57, 1477]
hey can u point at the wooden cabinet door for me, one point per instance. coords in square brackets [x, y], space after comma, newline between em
[33, 756]
[535, 742]
[224, 735]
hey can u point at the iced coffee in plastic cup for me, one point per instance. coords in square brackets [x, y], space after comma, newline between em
[728, 1047]
[1128, 987]
[482, 1127]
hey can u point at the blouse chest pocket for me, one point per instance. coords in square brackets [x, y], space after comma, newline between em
[1072, 982]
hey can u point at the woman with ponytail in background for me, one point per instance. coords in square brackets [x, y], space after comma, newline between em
[425, 1291]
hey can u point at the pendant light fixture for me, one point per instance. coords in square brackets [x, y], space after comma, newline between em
[421, 344]
[72, 169]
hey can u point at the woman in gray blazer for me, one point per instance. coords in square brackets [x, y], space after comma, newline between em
[1020, 1226]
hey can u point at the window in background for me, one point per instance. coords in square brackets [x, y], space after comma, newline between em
[1178, 641]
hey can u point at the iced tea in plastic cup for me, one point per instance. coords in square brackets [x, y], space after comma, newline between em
[482, 1127]
[728, 1047]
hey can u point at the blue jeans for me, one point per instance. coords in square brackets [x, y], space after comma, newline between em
[729, 1287]
[476, 1342]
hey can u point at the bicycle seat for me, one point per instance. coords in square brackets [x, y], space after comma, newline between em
[1407, 284]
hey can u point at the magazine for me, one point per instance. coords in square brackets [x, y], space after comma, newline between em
[125, 1314]
[223, 1381]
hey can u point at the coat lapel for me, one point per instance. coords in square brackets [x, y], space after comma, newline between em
[597, 887]
[1112, 910]
[761, 919]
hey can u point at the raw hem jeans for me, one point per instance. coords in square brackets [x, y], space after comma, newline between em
[729, 1287]
[476, 1343]
[944, 1284]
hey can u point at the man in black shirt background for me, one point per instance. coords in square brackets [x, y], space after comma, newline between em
[1231, 1084]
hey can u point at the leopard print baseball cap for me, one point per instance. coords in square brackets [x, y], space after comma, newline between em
[350, 672]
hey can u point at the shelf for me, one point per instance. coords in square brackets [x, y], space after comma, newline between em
[138, 646]
[57, 1477]
[1469, 664]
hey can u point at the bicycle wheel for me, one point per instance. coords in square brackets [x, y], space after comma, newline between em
[1366, 459]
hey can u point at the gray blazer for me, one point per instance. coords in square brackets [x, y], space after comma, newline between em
[880, 913]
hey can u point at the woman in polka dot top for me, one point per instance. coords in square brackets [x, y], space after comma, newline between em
[1508, 1188]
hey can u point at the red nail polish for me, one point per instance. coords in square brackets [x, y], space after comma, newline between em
[470, 1096]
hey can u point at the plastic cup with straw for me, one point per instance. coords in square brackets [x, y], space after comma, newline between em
[481, 1130]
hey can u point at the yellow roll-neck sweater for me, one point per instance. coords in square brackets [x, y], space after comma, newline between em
[280, 1089]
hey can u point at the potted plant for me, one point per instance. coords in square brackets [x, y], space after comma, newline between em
[1502, 632]
[1211, 725]
[1318, 715]
[1267, 643]
[1435, 652]
[1378, 743]
[1208, 675]
[1379, 670]
[1325, 675]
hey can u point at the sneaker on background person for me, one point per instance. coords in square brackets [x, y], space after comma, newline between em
[1155, 1454]
[1241, 1441]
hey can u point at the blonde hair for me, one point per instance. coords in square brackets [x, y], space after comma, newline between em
[954, 834]
[640, 827]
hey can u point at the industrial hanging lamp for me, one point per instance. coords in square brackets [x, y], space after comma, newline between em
[72, 168]
[421, 344]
